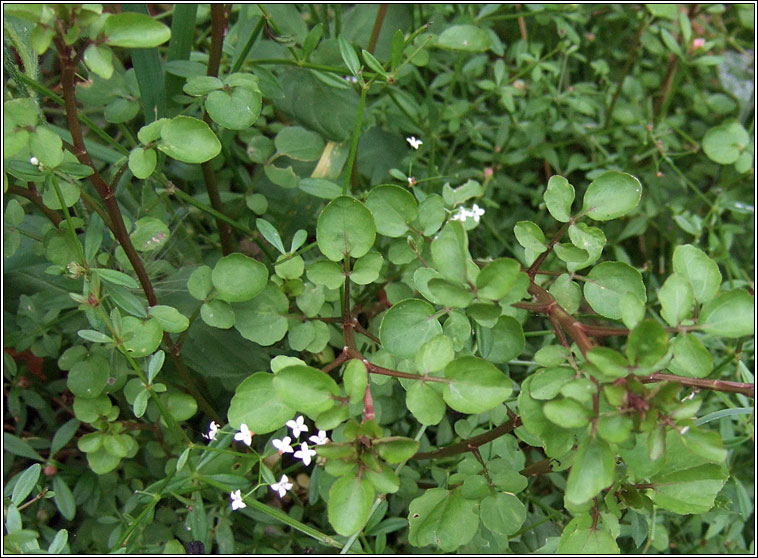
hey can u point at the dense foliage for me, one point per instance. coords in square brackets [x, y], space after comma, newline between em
[378, 278]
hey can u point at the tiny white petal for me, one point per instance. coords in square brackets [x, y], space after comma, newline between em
[305, 454]
[237, 503]
[414, 142]
[319, 440]
[212, 432]
[282, 486]
[283, 445]
[298, 425]
[244, 435]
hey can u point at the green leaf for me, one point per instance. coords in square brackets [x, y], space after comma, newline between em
[270, 233]
[442, 518]
[326, 273]
[611, 195]
[496, 278]
[701, 271]
[724, 143]
[286, 178]
[256, 404]
[142, 162]
[449, 294]
[200, 283]
[116, 277]
[202, 85]
[407, 325]
[580, 542]
[99, 60]
[558, 197]
[349, 505]
[691, 358]
[237, 109]
[133, 30]
[102, 462]
[566, 292]
[592, 471]
[547, 383]
[689, 490]
[349, 57]
[567, 413]
[149, 234]
[355, 379]
[181, 406]
[731, 314]
[677, 299]
[299, 144]
[345, 227]
[647, 344]
[26, 483]
[141, 338]
[467, 38]
[64, 498]
[188, 140]
[435, 354]
[396, 449]
[632, 309]
[530, 236]
[17, 446]
[450, 252]
[425, 402]
[606, 284]
[502, 342]
[47, 146]
[58, 544]
[502, 513]
[306, 389]
[393, 208]
[367, 268]
[666, 11]
[238, 278]
[611, 363]
[589, 239]
[475, 385]
[263, 319]
[320, 187]
[87, 378]
[169, 318]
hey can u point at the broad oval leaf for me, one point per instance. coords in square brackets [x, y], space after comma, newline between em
[345, 227]
[238, 277]
[442, 518]
[349, 506]
[236, 110]
[189, 140]
[263, 319]
[305, 389]
[468, 38]
[393, 209]
[611, 195]
[133, 30]
[256, 404]
[606, 284]
[731, 314]
[502, 513]
[700, 270]
[592, 471]
[407, 325]
[450, 252]
[475, 385]
[724, 143]
[142, 336]
[558, 197]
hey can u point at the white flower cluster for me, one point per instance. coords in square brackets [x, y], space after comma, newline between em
[462, 214]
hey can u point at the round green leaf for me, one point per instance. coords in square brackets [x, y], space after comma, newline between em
[396, 449]
[142, 162]
[181, 406]
[326, 273]
[256, 404]
[235, 110]
[731, 314]
[356, 379]
[701, 271]
[450, 252]
[566, 292]
[647, 344]
[606, 284]
[69, 192]
[142, 337]
[547, 383]
[202, 85]
[502, 342]
[581, 542]
[349, 506]
[394, 208]
[299, 144]
[611, 363]
[46, 146]
[366, 269]
[530, 236]
[449, 294]
[199, 283]
[217, 313]
[238, 278]
[188, 140]
[345, 227]
[496, 278]
[435, 354]
[407, 325]
[566, 413]
[133, 30]
[475, 385]
[305, 389]
[502, 513]
[149, 234]
[99, 60]
[691, 358]
[442, 518]
[611, 195]
[558, 197]
[593, 470]
[425, 403]
[724, 143]
[677, 299]
[263, 319]
[102, 462]
[468, 38]
[169, 318]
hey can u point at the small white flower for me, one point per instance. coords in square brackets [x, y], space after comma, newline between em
[319, 440]
[212, 432]
[283, 445]
[351, 79]
[305, 454]
[282, 486]
[476, 212]
[34, 161]
[460, 215]
[415, 143]
[244, 435]
[297, 426]
[237, 503]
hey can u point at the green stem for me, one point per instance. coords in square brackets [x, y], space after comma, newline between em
[248, 45]
[356, 136]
